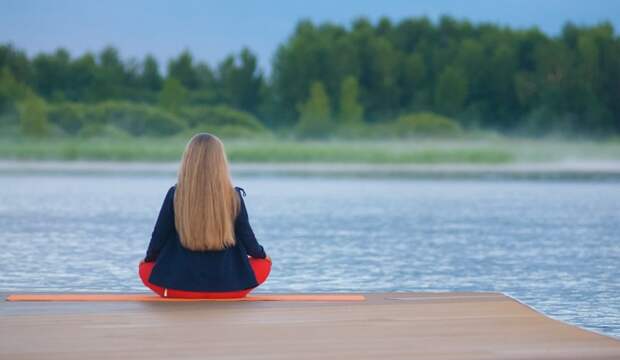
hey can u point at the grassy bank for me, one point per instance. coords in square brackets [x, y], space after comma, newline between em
[462, 151]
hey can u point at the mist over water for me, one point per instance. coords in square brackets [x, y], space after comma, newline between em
[554, 245]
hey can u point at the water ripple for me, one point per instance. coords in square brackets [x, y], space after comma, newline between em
[553, 245]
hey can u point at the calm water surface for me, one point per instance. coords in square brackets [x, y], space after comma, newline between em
[553, 245]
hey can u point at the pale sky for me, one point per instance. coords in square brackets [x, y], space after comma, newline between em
[213, 29]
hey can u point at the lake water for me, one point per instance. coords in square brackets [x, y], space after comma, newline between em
[554, 245]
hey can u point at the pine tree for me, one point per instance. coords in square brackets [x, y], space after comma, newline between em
[451, 91]
[33, 116]
[150, 77]
[351, 111]
[173, 95]
[315, 113]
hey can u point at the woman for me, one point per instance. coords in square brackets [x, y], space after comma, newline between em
[202, 238]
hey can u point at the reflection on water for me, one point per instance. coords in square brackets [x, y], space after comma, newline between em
[553, 245]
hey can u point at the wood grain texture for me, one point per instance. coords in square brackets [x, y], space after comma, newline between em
[385, 326]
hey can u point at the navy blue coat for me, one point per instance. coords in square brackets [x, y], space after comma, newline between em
[182, 269]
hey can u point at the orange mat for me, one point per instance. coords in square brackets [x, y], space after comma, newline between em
[149, 297]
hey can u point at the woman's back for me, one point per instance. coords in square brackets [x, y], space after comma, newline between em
[177, 267]
[202, 237]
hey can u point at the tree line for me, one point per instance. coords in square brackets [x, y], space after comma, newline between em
[327, 76]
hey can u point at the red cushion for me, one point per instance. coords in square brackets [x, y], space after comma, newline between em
[261, 268]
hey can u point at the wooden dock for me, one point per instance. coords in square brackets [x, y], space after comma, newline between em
[384, 326]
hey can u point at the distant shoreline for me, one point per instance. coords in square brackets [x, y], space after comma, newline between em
[561, 169]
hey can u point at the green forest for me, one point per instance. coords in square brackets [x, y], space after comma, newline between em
[365, 80]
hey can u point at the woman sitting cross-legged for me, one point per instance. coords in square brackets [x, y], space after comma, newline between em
[203, 245]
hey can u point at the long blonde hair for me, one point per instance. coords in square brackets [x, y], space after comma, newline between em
[205, 202]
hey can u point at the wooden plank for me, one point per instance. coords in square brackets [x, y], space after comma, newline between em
[387, 326]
